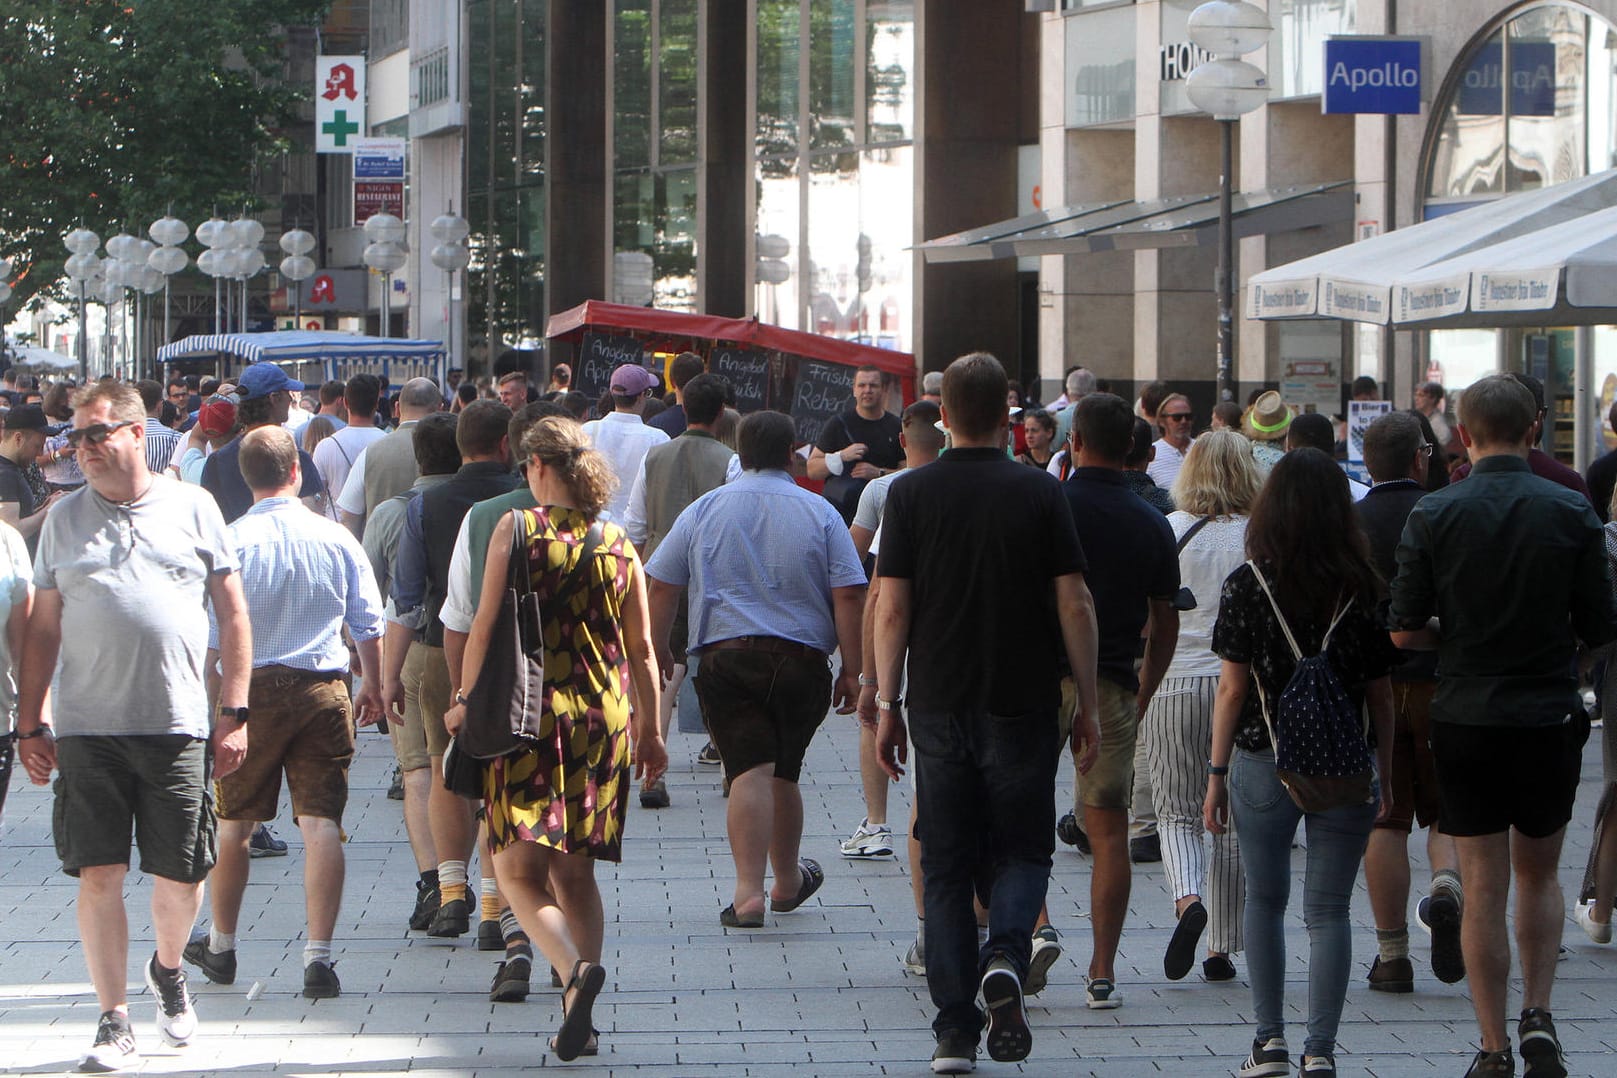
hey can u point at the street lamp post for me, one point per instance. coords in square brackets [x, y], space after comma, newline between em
[169, 258]
[385, 254]
[1228, 88]
[296, 267]
[451, 255]
[82, 264]
[217, 236]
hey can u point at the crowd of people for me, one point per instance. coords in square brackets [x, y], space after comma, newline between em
[1243, 648]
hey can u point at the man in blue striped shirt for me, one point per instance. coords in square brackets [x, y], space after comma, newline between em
[305, 578]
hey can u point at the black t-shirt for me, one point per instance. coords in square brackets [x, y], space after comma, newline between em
[221, 477]
[1383, 513]
[981, 539]
[1247, 632]
[1602, 480]
[1130, 548]
[14, 488]
[880, 438]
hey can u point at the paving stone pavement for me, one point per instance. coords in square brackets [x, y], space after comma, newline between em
[821, 991]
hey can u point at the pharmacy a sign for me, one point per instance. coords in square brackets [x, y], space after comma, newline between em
[339, 103]
[1377, 75]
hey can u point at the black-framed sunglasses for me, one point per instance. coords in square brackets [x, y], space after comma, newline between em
[1183, 416]
[96, 433]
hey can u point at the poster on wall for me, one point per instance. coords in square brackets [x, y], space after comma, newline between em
[1312, 385]
[1360, 415]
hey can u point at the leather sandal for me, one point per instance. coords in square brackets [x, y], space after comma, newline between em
[573, 1037]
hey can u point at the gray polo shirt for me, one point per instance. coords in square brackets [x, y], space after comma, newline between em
[133, 581]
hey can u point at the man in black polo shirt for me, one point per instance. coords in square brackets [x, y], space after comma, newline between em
[982, 584]
[858, 445]
[1134, 576]
[1517, 566]
[24, 440]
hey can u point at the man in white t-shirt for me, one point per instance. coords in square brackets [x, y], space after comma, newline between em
[1177, 423]
[622, 436]
[336, 455]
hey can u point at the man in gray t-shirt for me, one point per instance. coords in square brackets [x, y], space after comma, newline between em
[125, 567]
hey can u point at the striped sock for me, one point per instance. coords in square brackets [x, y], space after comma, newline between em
[517, 944]
[452, 881]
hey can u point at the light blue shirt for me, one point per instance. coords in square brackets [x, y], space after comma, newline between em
[760, 557]
[304, 577]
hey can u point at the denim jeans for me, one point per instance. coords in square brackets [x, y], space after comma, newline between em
[986, 820]
[1266, 822]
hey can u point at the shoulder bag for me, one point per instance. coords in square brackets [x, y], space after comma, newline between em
[1186, 599]
[503, 705]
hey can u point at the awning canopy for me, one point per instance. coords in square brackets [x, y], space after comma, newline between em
[678, 325]
[300, 346]
[1182, 221]
[42, 359]
[1413, 275]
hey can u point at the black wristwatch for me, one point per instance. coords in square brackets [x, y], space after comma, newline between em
[238, 715]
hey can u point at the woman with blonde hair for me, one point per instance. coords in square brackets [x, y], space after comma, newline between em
[316, 431]
[556, 806]
[1214, 493]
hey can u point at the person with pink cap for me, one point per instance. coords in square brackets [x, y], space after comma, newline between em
[622, 435]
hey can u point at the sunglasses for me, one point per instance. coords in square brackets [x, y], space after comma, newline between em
[95, 434]
[1184, 416]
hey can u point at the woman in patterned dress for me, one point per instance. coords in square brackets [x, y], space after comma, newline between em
[556, 806]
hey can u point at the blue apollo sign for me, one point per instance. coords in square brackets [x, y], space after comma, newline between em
[1379, 75]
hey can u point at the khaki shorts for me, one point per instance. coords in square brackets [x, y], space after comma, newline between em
[301, 723]
[427, 695]
[1110, 783]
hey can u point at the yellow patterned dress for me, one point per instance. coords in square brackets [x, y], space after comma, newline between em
[569, 790]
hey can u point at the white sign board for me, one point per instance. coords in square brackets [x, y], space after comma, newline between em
[339, 103]
[379, 159]
[1360, 415]
[1312, 385]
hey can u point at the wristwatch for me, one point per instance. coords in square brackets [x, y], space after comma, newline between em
[39, 731]
[866, 682]
[887, 705]
[236, 715]
[459, 699]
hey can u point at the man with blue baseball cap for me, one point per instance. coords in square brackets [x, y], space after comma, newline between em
[266, 393]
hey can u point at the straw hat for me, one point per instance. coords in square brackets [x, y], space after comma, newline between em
[1268, 419]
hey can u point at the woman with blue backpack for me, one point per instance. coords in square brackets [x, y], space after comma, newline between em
[1303, 678]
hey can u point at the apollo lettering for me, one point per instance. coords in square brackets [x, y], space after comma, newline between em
[1487, 76]
[1387, 75]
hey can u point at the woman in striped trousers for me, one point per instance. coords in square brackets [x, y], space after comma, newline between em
[1214, 491]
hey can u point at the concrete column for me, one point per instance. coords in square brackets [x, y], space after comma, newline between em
[965, 172]
[724, 272]
[576, 187]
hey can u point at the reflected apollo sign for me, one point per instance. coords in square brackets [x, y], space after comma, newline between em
[1377, 75]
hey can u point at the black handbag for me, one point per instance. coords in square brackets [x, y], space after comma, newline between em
[503, 705]
[1185, 599]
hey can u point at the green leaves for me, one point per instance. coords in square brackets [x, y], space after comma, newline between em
[117, 109]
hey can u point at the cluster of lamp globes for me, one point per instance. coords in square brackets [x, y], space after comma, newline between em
[1226, 86]
[386, 251]
[231, 250]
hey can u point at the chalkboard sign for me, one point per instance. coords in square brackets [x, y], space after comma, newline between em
[600, 354]
[748, 374]
[820, 392]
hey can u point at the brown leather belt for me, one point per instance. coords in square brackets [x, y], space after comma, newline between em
[776, 644]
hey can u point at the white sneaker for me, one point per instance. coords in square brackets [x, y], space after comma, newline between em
[114, 1047]
[1046, 949]
[176, 1018]
[1101, 994]
[915, 960]
[1600, 933]
[869, 841]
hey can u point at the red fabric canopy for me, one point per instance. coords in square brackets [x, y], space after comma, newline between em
[620, 317]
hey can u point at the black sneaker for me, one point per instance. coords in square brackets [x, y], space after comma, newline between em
[1499, 1064]
[217, 966]
[1009, 1039]
[1218, 967]
[395, 789]
[176, 1018]
[956, 1053]
[1398, 975]
[426, 905]
[1540, 1047]
[451, 920]
[1268, 1058]
[1068, 831]
[265, 844]
[320, 981]
[114, 1047]
[1317, 1067]
[511, 980]
[1443, 914]
[1145, 850]
[489, 937]
[709, 755]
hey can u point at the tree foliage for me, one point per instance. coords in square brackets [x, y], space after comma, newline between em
[119, 109]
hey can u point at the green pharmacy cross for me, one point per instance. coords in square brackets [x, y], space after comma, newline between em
[339, 127]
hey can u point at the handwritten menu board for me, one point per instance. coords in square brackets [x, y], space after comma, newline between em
[821, 390]
[747, 372]
[599, 354]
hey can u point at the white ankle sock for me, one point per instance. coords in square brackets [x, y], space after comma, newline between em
[220, 942]
[316, 951]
